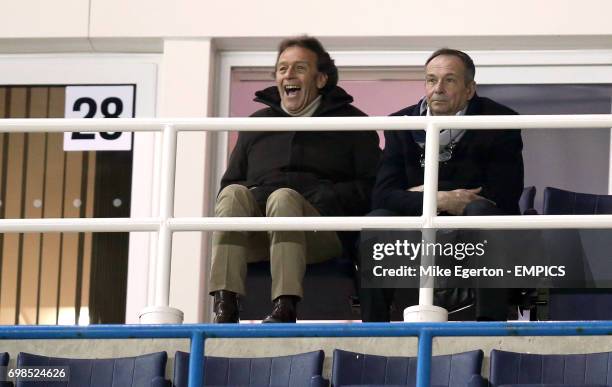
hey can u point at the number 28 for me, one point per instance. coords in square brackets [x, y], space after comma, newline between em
[104, 108]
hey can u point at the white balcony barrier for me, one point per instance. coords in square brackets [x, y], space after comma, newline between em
[166, 224]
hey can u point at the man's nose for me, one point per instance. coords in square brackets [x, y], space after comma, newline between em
[439, 87]
[290, 72]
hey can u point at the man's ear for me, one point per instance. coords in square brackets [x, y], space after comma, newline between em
[321, 80]
[471, 90]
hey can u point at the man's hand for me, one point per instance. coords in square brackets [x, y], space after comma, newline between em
[418, 188]
[454, 201]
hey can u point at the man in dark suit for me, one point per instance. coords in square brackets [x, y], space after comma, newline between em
[480, 171]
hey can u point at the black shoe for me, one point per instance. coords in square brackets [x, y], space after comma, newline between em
[225, 307]
[284, 310]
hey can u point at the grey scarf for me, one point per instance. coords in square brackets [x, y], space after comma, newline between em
[308, 111]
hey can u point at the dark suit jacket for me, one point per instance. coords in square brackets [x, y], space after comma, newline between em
[490, 159]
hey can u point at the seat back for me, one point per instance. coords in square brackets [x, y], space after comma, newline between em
[294, 370]
[139, 371]
[526, 202]
[509, 368]
[4, 360]
[562, 202]
[581, 304]
[330, 287]
[351, 368]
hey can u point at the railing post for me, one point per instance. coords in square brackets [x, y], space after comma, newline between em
[424, 359]
[154, 212]
[430, 182]
[430, 201]
[161, 312]
[426, 311]
[196, 359]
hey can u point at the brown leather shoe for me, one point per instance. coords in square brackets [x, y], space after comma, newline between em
[225, 307]
[284, 310]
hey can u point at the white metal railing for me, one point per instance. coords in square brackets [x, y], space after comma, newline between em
[166, 224]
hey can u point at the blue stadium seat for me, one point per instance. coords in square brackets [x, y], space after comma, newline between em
[357, 369]
[527, 298]
[580, 304]
[140, 371]
[335, 278]
[561, 202]
[301, 370]
[526, 201]
[521, 369]
[4, 360]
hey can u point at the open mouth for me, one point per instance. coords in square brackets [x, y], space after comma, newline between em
[292, 90]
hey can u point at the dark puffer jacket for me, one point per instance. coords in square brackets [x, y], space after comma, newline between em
[334, 171]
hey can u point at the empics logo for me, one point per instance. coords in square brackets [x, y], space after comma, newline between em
[538, 271]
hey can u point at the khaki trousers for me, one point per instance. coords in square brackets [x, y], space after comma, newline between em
[288, 251]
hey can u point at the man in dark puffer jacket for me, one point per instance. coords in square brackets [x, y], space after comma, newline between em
[291, 174]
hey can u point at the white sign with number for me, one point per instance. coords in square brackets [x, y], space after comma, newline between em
[99, 102]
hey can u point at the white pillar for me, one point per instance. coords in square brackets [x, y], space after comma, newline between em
[610, 162]
[186, 84]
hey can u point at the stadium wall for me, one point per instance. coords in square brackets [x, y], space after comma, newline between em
[189, 36]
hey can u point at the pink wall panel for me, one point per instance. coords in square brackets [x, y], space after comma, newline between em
[376, 98]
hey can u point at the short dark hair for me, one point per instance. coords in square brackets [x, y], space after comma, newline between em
[468, 63]
[325, 64]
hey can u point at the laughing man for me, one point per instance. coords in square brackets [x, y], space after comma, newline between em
[291, 174]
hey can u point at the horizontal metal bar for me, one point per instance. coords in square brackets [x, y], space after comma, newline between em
[319, 223]
[79, 225]
[307, 124]
[572, 328]
[401, 123]
[400, 223]
[303, 224]
[304, 124]
[81, 124]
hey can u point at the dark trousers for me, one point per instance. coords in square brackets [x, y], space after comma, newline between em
[491, 304]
